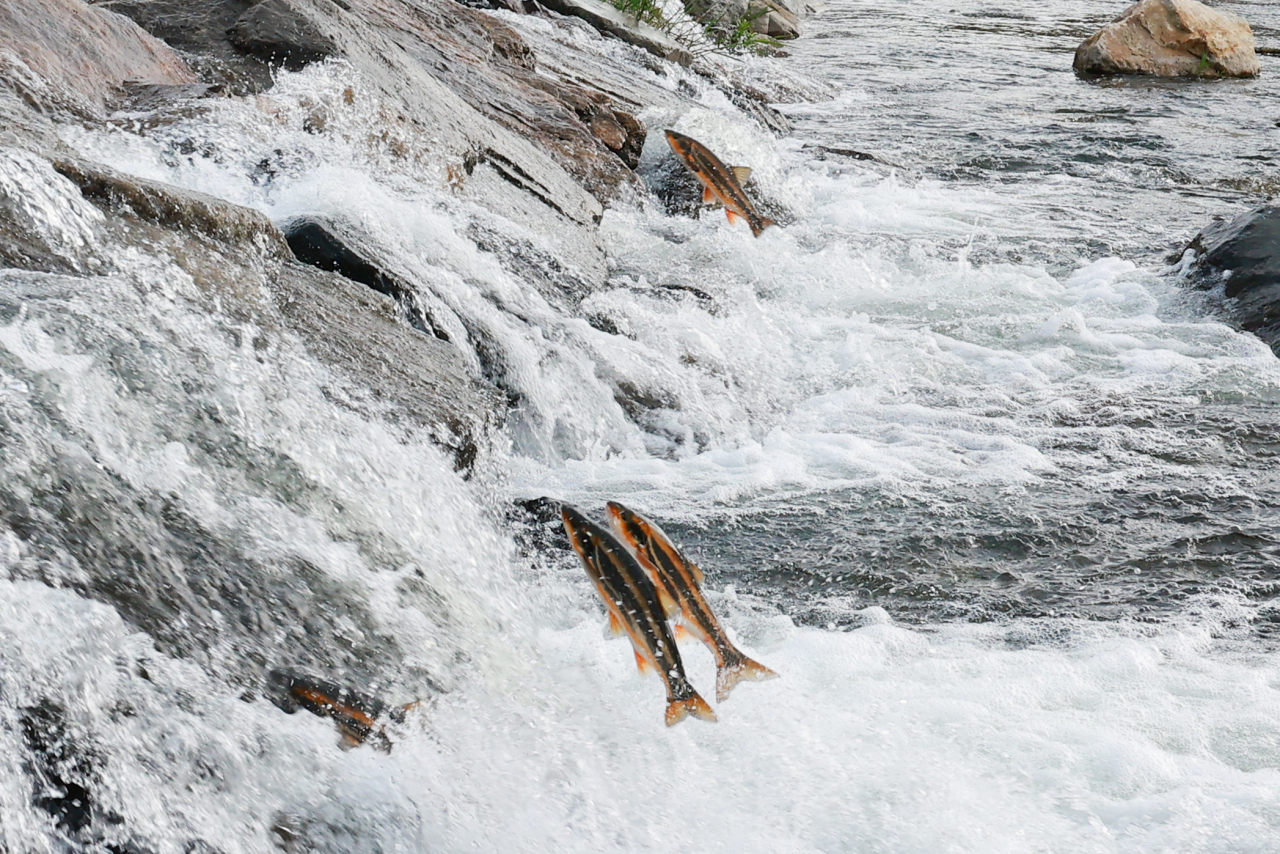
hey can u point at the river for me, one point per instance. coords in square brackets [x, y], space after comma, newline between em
[961, 459]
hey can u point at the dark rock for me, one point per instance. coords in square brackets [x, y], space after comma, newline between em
[200, 31]
[325, 245]
[280, 32]
[66, 56]
[1243, 256]
[64, 770]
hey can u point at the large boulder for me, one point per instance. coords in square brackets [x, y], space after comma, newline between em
[68, 55]
[1243, 257]
[1171, 38]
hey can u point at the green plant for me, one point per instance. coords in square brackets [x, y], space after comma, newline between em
[698, 38]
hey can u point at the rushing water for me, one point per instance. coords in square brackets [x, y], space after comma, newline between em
[992, 493]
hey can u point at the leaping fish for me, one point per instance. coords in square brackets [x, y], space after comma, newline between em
[678, 581]
[634, 607]
[719, 182]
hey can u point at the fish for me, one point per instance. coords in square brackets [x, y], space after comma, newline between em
[719, 182]
[355, 714]
[635, 610]
[678, 581]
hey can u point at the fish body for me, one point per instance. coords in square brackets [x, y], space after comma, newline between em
[678, 581]
[635, 609]
[719, 182]
[355, 714]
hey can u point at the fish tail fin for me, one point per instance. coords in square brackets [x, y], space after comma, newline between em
[678, 710]
[759, 226]
[731, 674]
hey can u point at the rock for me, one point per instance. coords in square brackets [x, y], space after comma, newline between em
[456, 81]
[280, 33]
[1243, 255]
[171, 207]
[200, 30]
[726, 12]
[1171, 38]
[775, 19]
[610, 20]
[64, 54]
[340, 248]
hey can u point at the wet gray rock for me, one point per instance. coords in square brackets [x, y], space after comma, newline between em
[1242, 256]
[1171, 38]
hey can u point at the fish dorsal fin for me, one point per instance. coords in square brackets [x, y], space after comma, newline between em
[741, 174]
[707, 196]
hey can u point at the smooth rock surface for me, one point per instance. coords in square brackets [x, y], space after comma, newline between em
[66, 54]
[1243, 256]
[1171, 38]
[775, 19]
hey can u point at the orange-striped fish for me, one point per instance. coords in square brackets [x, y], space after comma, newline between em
[355, 714]
[679, 584]
[634, 608]
[719, 182]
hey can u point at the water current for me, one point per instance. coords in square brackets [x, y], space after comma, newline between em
[960, 458]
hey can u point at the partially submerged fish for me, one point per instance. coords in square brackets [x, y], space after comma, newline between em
[635, 608]
[678, 581]
[719, 182]
[355, 714]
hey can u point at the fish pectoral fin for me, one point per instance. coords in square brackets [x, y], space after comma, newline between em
[707, 195]
[644, 664]
[730, 675]
[678, 710]
[741, 174]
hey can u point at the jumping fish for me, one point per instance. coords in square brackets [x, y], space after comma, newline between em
[678, 581]
[719, 182]
[634, 607]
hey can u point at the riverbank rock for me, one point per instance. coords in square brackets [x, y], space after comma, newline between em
[776, 19]
[610, 20]
[64, 54]
[1171, 38]
[1242, 256]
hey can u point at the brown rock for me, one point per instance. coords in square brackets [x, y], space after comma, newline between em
[74, 56]
[1171, 38]
[774, 19]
